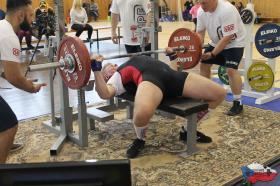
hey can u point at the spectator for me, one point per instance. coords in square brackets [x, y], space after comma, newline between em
[79, 20]
[2, 14]
[134, 15]
[193, 12]
[188, 5]
[239, 6]
[168, 18]
[44, 20]
[94, 12]
[28, 37]
[86, 6]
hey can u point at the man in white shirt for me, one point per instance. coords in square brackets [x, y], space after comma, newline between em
[134, 15]
[227, 33]
[19, 16]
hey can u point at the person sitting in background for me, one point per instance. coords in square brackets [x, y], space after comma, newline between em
[94, 10]
[28, 36]
[168, 17]
[79, 20]
[2, 14]
[193, 12]
[44, 20]
[239, 6]
[188, 5]
[86, 6]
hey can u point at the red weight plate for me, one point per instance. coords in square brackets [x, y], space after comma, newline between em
[191, 41]
[80, 77]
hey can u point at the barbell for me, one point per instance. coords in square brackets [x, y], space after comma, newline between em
[74, 59]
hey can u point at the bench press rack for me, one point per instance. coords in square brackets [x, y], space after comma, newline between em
[183, 107]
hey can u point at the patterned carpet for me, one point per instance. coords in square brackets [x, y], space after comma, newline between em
[238, 141]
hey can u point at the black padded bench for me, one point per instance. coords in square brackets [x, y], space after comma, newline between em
[184, 107]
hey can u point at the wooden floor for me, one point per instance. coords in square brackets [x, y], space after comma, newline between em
[28, 105]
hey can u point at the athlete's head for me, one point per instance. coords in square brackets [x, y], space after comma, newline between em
[108, 70]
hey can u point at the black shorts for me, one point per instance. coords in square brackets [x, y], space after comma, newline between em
[173, 87]
[170, 82]
[229, 58]
[136, 48]
[8, 118]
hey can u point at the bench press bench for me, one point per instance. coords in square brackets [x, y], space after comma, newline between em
[184, 107]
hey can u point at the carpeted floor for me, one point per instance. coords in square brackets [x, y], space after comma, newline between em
[238, 141]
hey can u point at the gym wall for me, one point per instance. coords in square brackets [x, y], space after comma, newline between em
[267, 9]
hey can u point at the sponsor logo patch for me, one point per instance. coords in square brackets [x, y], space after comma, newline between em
[229, 28]
[16, 52]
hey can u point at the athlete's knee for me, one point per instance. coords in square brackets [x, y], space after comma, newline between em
[219, 96]
[142, 115]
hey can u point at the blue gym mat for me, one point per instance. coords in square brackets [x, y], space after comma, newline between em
[273, 105]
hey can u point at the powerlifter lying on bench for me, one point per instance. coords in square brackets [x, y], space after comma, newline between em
[151, 81]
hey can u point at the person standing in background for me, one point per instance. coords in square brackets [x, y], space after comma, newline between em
[193, 12]
[134, 15]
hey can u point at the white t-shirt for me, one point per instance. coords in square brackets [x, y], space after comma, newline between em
[133, 18]
[9, 43]
[224, 21]
[79, 17]
[116, 82]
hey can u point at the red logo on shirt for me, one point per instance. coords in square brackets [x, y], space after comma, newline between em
[229, 28]
[16, 52]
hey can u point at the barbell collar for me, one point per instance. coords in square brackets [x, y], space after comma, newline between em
[68, 63]
[258, 77]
